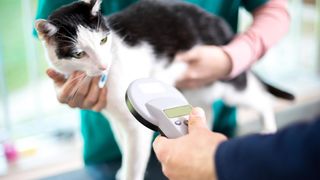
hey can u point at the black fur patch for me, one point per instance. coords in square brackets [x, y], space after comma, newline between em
[239, 82]
[170, 27]
[67, 19]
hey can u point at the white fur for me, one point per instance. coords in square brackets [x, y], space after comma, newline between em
[97, 56]
[126, 64]
[86, 1]
[96, 6]
[133, 139]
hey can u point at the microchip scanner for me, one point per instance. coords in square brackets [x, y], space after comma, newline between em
[159, 106]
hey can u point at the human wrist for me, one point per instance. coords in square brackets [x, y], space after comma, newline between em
[211, 170]
[226, 64]
[214, 169]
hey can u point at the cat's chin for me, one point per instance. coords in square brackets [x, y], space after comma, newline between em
[94, 74]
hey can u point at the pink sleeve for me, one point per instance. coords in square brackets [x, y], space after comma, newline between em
[270, 23]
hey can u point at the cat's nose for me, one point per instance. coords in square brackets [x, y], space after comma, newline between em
[103, 67]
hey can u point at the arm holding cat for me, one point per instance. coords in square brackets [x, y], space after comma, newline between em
[270, 23]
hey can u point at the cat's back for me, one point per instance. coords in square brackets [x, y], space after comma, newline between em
[169, 26]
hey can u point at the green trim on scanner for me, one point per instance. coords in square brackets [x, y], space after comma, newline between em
[178, 111]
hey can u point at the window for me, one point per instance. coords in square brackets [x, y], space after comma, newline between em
[28, 101]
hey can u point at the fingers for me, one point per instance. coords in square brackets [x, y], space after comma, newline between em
[79, 92]
[102, 101]
[65, 92]
[93, 95]
[193, 84]
[187, 84]
[159, 147]
[188, 80]
[55, 76]
[197, 120]
[188, 55]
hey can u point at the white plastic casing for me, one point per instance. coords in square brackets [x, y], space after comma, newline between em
[149, 98]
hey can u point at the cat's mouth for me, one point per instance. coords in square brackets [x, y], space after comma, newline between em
[96, 73]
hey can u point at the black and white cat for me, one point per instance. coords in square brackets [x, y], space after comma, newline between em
[141, 41]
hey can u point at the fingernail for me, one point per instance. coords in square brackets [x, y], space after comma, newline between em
[49, 71]
[197, 112]
[52, 73]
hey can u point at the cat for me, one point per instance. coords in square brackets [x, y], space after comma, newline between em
[142, 41]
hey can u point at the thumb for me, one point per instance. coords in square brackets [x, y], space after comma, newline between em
[187, 56]
[55, 76]
[161, 145]
[197, 119]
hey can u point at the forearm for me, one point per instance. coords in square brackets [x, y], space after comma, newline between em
[290, 154]
[270, 23]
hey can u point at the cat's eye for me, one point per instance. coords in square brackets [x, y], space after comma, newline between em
[103, 41]
[79, 54]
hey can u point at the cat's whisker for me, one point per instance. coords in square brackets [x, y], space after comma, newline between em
[67, 37]
[76, 78]
[122, 39]
[98, 23]
[81, 82]
[73, 19]
[114, 23]
[71, 45]
[63, 27]
[66, 29]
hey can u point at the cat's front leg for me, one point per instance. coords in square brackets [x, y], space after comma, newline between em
[134, 141]
[135, 153]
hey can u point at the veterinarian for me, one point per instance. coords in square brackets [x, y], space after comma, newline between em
[207, 64]
[292, 153]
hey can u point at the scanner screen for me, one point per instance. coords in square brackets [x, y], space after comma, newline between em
[178, 111]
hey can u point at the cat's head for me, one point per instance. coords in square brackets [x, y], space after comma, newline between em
[77, 38]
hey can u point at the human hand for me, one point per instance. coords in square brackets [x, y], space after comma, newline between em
[206, 65]
[79, 90]
[190, 156]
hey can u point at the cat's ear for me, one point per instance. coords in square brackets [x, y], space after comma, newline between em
[45, 29]
[95, 6]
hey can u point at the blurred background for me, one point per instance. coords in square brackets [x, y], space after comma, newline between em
[40, 137]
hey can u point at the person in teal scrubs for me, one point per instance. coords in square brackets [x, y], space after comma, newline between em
[101, 153]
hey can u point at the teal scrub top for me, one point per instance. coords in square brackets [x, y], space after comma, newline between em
[99, 143]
